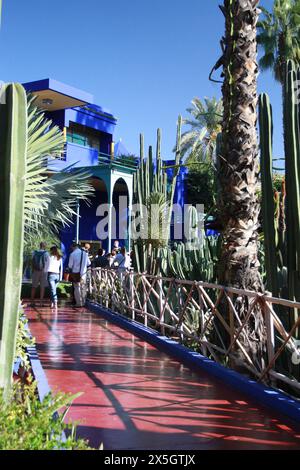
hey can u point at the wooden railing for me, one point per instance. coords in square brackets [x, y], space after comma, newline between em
[242, 329]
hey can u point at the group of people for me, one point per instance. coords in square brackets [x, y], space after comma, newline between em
[118, 258]
[47, 269]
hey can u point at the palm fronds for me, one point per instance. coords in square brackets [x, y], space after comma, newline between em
[50, 201]
[67, 188]
[199, 141]
[279, 36]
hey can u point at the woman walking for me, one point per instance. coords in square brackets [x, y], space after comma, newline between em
[54, 269]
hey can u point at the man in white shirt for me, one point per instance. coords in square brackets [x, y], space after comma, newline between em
[122, 261]
[78, 266]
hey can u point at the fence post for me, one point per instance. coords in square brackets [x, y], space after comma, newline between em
[144, 302]
[131, 277]
[269, 330]
[202, 321]
[180, 302]
[100, 287]
[160, 304]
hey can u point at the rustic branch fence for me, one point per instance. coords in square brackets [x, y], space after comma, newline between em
[207, 317]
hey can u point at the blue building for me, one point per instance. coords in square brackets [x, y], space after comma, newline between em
[89, 144]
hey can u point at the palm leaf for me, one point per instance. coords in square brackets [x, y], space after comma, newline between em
[49, 201]
[280, 27]
[204, 124]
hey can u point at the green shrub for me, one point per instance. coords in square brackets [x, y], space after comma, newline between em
[28, 424]
[23, 340]
[64, 290]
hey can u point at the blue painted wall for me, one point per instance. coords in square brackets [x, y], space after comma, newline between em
[90, 118]
[79, 154]
[76, 155]
[179, 197]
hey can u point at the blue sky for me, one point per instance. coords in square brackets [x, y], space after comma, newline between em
[143, 60]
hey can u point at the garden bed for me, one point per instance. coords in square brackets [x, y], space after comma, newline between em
[32, 417]
[64, 290]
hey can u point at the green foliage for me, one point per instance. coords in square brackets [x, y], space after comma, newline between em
[152, 189]
[292, 135]
[197, 263]
[64, 290]
[23, 340]
[50, 202]
[30, 201]
[32, 243]
[28, 424]
[130, 160]
[279, 36]
[201, 185]
[268, 205]
[278, 181]
[199, 142]
[281, 210]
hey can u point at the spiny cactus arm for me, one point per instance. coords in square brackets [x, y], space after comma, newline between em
[150, 171]
[158, 163]
[292, 175]
[268, 208]
[13, 143]
[141, 171]
[175, 172]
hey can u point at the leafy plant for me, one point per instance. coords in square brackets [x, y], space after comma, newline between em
[24, 340]
[50, 202]
[199, 142]
[28, 424]
[279, 36]
[30, 200]
[201, 185]
[194, 264]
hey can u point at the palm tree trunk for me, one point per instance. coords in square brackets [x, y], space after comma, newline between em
[239, 162]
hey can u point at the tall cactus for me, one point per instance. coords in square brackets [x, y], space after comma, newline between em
[197, 264]
[268, 206]
[13, 140]
[282, 251]
[151, 184]
[291, 115]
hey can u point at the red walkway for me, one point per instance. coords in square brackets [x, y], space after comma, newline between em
[136, 397]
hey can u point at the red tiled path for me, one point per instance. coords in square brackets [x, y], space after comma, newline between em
[136, 397]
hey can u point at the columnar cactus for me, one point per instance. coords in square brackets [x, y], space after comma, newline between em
[268, 206]
[281, 219]
[197, 264]
[13, 139]
[292, 110]
[151, 180]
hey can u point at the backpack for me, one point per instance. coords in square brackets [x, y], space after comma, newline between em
[119, 264]
[38, 260]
